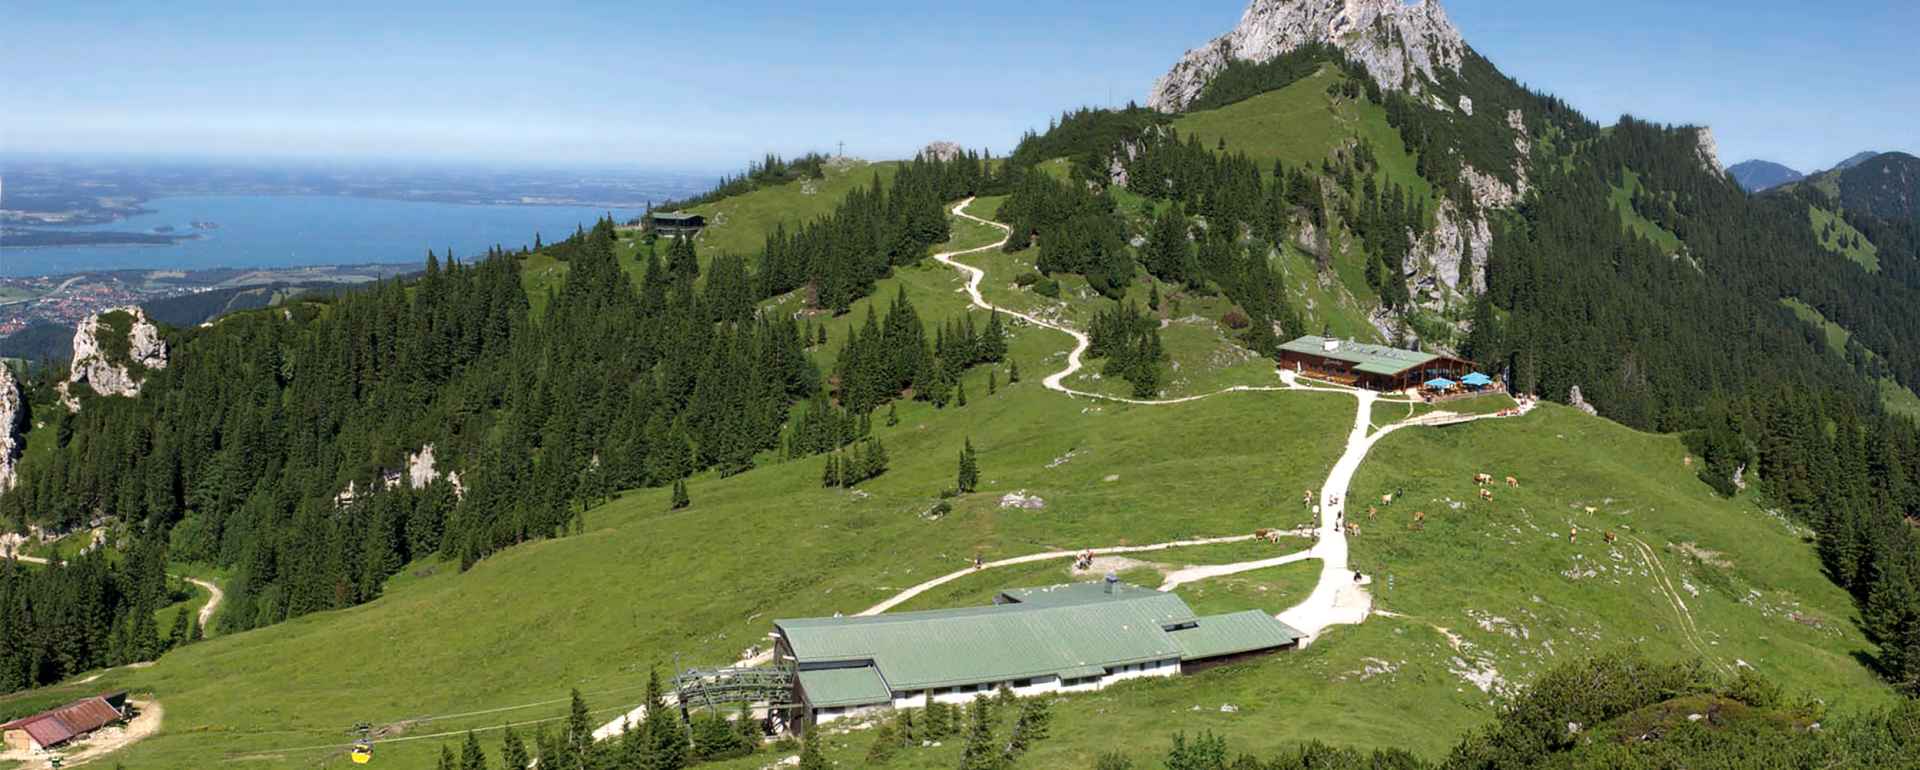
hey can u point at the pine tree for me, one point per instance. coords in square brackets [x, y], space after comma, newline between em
[748, 727]
[892, 417]
[577, 741]
[666, 735]
[981, 751]
[969, 476]
[935, 721]
[960, 394]
[194, 631]
[178, 636]
[471, 757]
[680, 499]
[1013, 372]
[993, 381]
[885, 745]
[447, 762]
[830, 474]
[1033, 726]
[810, 757]
[513, 751]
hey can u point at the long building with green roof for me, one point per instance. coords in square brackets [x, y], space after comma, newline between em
[1067, 638]
[1370, 366]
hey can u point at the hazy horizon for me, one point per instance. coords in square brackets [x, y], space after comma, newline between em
[586, 86]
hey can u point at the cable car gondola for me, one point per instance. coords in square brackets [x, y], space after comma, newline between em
[362, 752]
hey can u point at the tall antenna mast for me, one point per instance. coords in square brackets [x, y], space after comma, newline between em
[843, 149]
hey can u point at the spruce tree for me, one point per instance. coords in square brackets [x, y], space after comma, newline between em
[885, 745]
[577, 741]
[447, 762]
[194, 631]
[513, 751]
[893, 418]
[969, 476]
[471, 757]
[178, 636]
[935, 720]
[960, 394]
[981, 751]
[1013, 371]
[680, 499]
[748, 727]
[993, 381]
[810, 757]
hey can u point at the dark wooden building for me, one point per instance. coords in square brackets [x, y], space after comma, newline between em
[674, 223]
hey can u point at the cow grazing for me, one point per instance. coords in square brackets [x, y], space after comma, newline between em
[1386, 499]
[1419, 521]
[1592, 510]
[1371, 512]
[1487, 495]
[1483, 479]
[1609, 537]
[1513, 483]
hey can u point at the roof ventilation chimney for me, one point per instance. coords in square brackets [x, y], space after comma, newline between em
[1112, 580]
[1331, 345]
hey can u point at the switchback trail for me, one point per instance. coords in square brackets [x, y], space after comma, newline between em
[1338, 598]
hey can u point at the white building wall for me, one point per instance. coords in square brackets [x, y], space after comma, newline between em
[1037, 686]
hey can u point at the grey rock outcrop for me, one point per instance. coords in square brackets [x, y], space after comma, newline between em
[1402, 45]
[1709, 150]
[13, 420]
[113, 374]
[941, 151]
[1579, 401]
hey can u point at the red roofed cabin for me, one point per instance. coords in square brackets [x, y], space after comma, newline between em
[50, 729]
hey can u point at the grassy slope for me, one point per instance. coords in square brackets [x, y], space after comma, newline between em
[1866, 254]
[1622, 200]
[593, 611]
[1496, 576]
[738, 225]
[643, 585]
[1897, 398]
[1302, 126]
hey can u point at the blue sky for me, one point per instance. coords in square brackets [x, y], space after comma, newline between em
[704, 86]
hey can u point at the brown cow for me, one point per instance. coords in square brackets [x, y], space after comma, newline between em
[1269, 535]
[1609, 537]
[1483, 479]
[1573, 534]
[1419, 521]
[1371, 512]
[1487, 495]
[1513, 483]
[1687, 461]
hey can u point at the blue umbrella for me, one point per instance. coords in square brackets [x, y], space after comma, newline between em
[1439, 383]
[1477, 380]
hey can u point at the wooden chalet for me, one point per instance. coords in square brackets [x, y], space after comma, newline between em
[1376, 367]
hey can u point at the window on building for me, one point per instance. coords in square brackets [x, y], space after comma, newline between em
[1023, 682]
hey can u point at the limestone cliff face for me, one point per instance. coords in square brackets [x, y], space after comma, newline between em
[102, 362]
[1402, 45]
[13, 419]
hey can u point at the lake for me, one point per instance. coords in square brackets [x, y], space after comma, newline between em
[289, 231]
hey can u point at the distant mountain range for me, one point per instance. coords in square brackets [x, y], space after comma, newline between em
[1762, 175]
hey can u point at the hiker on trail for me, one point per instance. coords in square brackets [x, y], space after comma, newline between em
[1573, 534]
[978, 562]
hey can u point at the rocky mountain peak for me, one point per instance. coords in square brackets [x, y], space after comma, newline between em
[1402, 45]
[112, 353]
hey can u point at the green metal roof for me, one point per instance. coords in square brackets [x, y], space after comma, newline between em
[1371, 359]
[672, 216]
[1067, 631]
[858, 686]
[1217, 635]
